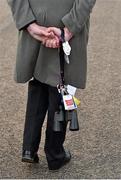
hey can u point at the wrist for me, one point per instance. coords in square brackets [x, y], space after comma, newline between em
[30, 24]
[68, 34]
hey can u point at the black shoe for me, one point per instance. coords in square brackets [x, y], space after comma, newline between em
[66, 160]
[30, 157]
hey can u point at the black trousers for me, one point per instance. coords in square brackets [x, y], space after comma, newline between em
[43, 98]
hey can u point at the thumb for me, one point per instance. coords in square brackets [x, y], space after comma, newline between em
[44, 33]
[54, 30]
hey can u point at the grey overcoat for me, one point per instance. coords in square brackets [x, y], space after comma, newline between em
[35, 60]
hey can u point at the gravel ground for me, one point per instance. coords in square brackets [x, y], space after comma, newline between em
[96, 149]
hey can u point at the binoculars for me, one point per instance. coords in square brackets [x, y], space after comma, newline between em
[58, 120]
[73, 118]
[62, 116]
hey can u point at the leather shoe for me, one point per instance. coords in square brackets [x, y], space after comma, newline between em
[66, 160]
[30, 157]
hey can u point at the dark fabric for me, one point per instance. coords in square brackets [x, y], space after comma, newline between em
[54, 140]
[43, 98]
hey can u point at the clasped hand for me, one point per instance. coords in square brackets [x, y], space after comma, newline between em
[50, 37]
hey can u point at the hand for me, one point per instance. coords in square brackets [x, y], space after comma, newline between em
[39, 32]
[51, 42]
[49, 39]
[54, 42]
[57, 32]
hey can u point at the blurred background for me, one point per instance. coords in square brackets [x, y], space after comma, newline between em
[96, 148]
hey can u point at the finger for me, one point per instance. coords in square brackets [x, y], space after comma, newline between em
[54, 44]
[57, 42]
[52, 35]
[55, 30]
[47, 43]
[44, 41]
[41, 31]
[50, 44]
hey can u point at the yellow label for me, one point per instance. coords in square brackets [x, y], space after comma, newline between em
[77, 101]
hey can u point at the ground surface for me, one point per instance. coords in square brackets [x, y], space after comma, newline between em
[96, 149]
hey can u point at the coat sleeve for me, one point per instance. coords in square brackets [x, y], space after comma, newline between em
[22, 13]
[78, 15]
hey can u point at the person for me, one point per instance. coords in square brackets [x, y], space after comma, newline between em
[40, 24]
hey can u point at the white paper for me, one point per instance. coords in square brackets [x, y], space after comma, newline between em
[67, 48]
[71, 90]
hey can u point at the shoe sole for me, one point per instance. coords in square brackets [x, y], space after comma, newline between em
[29, 161]
[52, 169]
